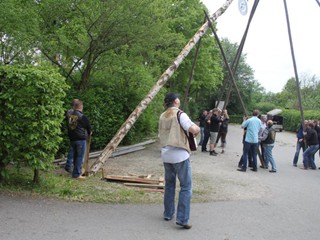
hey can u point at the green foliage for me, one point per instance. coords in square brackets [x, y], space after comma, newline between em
[30, 115]
[292, 118]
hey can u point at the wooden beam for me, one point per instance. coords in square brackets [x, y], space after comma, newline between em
[127, 125]
[144, 185]
[117, 178]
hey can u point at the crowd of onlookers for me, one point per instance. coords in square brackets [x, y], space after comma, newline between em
[258, 139]
[308, 139]
[214, 127]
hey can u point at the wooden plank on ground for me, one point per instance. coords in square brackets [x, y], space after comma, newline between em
[132, 179]
[144, 185]
[154, 190]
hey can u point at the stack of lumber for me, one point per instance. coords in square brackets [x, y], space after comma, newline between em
[138, 181]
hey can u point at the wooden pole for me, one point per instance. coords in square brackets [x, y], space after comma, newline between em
[126, 126]
[294, 63]
[227, 65]
[86, 160]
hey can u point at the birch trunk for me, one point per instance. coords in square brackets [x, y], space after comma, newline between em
[126, 126]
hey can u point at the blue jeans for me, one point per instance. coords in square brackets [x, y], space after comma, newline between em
[298, 148]
[250, 147]
[69, 159]
[183, 171]
[201, 135]
[308, 156]
[268, 157]
[79, 149]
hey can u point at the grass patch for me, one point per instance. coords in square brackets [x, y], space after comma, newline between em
[59, 185]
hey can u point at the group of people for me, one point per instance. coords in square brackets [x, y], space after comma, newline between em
[214, 126]
[175, 150]
[308, 139]
[258, 134]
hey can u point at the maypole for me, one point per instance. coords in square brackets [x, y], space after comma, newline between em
[126, 126]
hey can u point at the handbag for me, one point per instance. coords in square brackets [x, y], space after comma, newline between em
[190, 137]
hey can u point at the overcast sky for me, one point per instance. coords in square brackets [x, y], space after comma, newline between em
[267, 45]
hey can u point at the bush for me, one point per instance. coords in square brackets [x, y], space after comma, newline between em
[31, 113]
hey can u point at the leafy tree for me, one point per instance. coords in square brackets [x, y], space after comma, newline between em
[79, 34]
[18, 22]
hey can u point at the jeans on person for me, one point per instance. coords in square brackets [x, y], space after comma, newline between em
[298, 148]
[246, 149]
[183, 171]
[79, 149]
[201, 135]
[205, 141]
[69, 159]
[268, 157]
[308, 156]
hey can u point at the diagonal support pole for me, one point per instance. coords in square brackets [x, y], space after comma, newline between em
[226, 63]
[126, 126]
[294, 63]
[239, 51]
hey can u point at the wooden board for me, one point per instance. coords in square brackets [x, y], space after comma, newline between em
[133, 179]
[144, 185]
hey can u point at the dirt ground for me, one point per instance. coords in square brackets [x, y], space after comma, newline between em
[215, 178]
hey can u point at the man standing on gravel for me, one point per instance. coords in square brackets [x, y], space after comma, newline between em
[251, 140]
[175, 153]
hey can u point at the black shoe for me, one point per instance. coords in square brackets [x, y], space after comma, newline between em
[213, 153]
[205, 150]
[167, 218]
[68, 170]
[185, 226]
[254, 170]
[241, 170]
[295, 165]
[273, 171]
[263, 167]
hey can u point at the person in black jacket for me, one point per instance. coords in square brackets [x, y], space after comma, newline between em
[215, 122]
[202, 122]
[78, 130]
[206, 132]
[69, 162]
[313, 146]
[268, 137]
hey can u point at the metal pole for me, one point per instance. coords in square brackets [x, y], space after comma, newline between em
[239, 51]
[227, 64]
[186, 94]
[294, 63]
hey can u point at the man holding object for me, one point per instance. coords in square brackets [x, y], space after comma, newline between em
[175, 153]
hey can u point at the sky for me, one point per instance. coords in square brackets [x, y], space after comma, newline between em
[267, 44]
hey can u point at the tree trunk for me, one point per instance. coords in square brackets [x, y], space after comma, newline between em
[36, 176]
[2, 170]
[126, 126]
